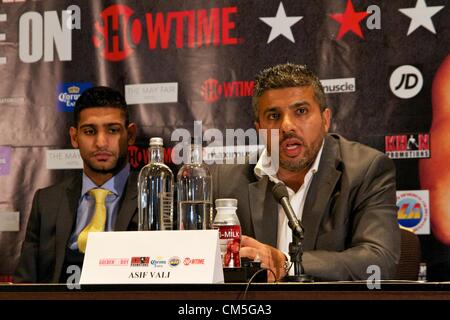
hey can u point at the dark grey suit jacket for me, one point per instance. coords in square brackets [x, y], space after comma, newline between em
[50, 225]
[349, 217]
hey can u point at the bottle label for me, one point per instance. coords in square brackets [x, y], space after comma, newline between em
[230, 243]
[166, 209]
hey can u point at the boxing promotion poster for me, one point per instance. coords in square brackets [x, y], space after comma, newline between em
[384, 65]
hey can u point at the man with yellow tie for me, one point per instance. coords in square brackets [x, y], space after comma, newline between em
[102, 198]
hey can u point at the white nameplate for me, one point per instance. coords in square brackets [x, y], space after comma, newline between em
[9, 221]
[144, 93]
[129, 257]
[64, 159]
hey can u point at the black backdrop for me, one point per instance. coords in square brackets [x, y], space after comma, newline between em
[205, 53]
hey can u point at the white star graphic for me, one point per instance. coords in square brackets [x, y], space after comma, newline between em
[421, 16]
[281, 24]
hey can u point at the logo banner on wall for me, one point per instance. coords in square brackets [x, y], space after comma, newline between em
[414, 210]
[179, 61]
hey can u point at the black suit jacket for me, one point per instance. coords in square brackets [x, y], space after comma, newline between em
[50, 225]
[349, 216]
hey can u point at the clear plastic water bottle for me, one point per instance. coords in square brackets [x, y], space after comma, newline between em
[227, 222]
[194, 192]
[155, 188]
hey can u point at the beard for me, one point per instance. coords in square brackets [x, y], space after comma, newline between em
[113, 168]
[310, 154]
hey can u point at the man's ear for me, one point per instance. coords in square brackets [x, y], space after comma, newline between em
[73, 132]
[326, 119]
[132, 131]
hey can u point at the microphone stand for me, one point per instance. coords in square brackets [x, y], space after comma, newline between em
[281, 195]
[296, 253]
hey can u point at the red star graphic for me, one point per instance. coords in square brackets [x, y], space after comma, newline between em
[349, 20]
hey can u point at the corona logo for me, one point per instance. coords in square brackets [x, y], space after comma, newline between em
[73, 90]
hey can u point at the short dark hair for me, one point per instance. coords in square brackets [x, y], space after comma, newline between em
[287, 75]
[97, 97]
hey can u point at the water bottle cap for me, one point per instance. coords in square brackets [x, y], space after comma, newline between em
[223, 203]
[156, 142]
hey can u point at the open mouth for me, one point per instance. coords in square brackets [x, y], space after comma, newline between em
[292, 147]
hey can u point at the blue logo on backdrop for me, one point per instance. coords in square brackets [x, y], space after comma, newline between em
[68, 93]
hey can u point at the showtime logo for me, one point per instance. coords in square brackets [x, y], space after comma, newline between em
[119, 31]
[138, 156]
[188, 261]
[212, 90]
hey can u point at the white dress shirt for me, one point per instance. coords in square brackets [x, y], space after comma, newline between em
[297, 199]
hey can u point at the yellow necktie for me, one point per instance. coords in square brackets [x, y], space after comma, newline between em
[98, 221]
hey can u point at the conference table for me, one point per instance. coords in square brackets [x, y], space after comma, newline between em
[360, 290]
[229, 301]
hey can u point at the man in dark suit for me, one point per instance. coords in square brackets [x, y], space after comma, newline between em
[342, 191]
[63, 214]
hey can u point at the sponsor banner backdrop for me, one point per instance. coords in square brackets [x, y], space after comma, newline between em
[414, 210]
[178, 61]
[5, 160]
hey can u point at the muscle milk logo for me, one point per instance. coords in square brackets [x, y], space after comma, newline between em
[413, 210]
[407, 146]
[68, 93]
[119, 30]
[338, 85]
[212, 90]
[406, 82]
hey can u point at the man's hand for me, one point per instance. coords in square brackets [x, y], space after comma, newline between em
[270, 257]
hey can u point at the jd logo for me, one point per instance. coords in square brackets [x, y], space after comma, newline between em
[406, 82]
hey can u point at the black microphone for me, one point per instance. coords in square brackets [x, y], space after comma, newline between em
[280, 193]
